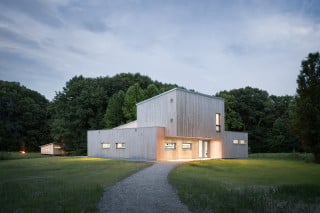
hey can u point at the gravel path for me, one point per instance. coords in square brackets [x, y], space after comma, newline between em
[145, 191]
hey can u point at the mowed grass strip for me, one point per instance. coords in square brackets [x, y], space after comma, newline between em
[259, 185]
[59, 184]
[17, 155]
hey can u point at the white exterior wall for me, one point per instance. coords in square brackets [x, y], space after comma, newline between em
[183, 113]
[176, 115]
[159, 111]
[140, 143]
[51, 149]
[47, 149]
[196, 114]
[231, 150]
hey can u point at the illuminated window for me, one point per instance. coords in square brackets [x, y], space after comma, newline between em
[105, 145]
[218, 122]
[187, 146]
[170, 145]
[120, 145]
[235, 141]
[242, 142]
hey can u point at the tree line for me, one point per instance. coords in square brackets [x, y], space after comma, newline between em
[274, 123]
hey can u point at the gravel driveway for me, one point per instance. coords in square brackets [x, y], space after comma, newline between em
[145, 191]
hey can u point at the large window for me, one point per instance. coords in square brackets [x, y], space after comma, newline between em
[120, 145]
[170, 146]
[242, 142]
[105, 145]
[187, 146]
[218, 122]
[237, 141]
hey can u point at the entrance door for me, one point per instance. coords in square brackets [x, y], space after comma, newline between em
[203, 149]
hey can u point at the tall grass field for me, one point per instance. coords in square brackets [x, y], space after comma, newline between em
[59, 184]
[263, 184]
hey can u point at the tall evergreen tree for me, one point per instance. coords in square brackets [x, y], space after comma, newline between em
[114, 114]
[308, 105]
[133, 95]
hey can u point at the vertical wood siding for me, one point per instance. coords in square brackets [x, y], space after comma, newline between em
[230, 150]
[178, 153]
[196, 115]
[159, 111]
[140, 143]
[49, 149]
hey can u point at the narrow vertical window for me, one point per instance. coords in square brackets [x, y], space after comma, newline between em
[218, 122]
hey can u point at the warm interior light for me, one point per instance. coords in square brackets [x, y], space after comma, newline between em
[23, 152]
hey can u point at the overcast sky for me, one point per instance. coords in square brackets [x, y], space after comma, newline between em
[207, 46]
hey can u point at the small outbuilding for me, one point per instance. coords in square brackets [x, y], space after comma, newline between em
[52, 149]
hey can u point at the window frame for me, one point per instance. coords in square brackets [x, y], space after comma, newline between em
[166, 147]
[235, 141]
[122, 145]
[189, 148]
[218, 122]
[105, 143]
[242, 142]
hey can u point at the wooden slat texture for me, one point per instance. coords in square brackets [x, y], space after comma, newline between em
[159, 111]
[230, 150]
[140, 143]
[196, 115]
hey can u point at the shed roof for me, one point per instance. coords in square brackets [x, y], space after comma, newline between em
[183, 90]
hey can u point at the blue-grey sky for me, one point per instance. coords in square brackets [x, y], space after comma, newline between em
[204, 45]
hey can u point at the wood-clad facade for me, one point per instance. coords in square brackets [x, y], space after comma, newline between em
[52, 149]
[177, 124]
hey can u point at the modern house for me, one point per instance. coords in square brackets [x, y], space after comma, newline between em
[177, 124]
[52, 149]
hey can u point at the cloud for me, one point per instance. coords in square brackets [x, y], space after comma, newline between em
[36, 9]
[208, 46]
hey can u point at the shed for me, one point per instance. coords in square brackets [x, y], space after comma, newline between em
[52, 149]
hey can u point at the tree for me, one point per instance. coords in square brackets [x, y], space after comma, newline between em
[23, 118]
[151, 91]
[114, 115]
[308, 105]
[84, 105]
[280, 137]
[133, 95]
[233, 119]
[80, 107]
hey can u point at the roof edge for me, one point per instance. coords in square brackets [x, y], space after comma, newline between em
[183, 90]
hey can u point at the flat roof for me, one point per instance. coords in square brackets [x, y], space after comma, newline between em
[183, 90]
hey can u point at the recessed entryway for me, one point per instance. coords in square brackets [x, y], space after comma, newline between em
[203, 149]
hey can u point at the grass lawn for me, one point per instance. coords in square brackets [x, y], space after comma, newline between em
[263, 184]
[17, 155]
[59, 184]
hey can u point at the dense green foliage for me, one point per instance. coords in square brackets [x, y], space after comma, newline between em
[133, 96]
[97, 103]
[23, 118]
[307, 116]
[28, 120]
[266, 119]
[114, 114]
[59, 184]
[259, 185]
